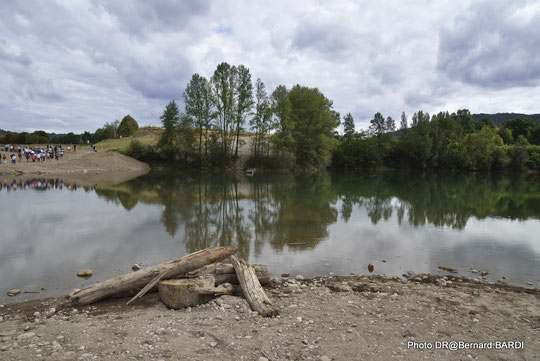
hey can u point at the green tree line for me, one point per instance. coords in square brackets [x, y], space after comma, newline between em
[116, 129]
[290, 128]
[448, 141]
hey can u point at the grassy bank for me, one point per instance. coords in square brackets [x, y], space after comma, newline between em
[147, 136]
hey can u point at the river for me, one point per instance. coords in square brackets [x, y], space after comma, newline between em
[310, 224]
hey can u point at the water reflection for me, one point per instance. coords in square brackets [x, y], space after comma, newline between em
[40, 184]
[295, 210]
[306, 223]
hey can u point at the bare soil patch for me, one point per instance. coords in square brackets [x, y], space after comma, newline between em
[81, 166]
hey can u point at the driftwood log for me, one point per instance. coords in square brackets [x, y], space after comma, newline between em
[182, 293]
[225, 273]
[252, 289]
[136, 280]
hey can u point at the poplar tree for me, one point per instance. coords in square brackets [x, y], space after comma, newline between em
[348, 126]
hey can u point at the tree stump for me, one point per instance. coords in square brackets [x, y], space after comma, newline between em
[252, 289]
[182, 293]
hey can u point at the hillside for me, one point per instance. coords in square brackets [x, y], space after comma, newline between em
[499, 118]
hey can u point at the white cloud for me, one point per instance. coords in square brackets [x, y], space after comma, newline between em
[86, 62]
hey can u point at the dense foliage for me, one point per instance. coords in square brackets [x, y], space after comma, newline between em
[290, 128]
[443, 141]
[128, 126]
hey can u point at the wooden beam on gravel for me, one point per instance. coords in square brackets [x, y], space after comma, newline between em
[252, 289]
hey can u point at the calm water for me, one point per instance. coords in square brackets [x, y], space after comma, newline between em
[302, 224]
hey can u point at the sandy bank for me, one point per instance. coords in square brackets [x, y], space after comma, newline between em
[341, 318]
[81, 166]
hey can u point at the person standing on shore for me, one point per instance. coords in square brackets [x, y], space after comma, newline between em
[13, 158]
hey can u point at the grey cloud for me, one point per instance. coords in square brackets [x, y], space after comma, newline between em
[331, 39]
[490, 46]
[12, 56]
[139, 17]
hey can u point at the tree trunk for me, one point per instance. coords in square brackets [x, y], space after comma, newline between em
[138, 279]
[184, 293]
[225, 273]
[252, 289]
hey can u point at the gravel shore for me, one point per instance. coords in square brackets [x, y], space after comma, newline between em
[330, 318]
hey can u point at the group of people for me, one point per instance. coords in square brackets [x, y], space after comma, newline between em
[33, 154]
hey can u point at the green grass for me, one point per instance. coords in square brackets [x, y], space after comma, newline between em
[121, 145]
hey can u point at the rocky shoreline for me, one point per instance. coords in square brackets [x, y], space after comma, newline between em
[326, 318]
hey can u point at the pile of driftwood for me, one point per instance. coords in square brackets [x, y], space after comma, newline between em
[189, 281]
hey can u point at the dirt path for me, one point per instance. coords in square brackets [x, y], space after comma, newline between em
[334, 318]
[82, 166]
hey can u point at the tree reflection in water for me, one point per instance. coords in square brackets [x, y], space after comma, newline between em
[295, 210]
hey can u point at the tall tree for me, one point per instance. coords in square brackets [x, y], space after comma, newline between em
[198, 105]
[390, 124]
[377, 125]
[314, 121]
[244, 100]
[403, 124]
[223, 94]
[281, 107]
[348, 126]
[261, 121]
[170, 120]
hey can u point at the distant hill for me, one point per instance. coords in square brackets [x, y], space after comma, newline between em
[499, 118]
[2, 132]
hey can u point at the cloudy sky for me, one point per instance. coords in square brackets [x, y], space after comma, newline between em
[72, 65]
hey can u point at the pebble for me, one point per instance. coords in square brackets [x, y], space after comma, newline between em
[285, 274]
[84, 273]
[1, 318]
[299, 319]
[25, 336]
[441, 282]
[37, 314]
[299, 277]
[136, 267]
[324, 358]
[13, 292]
[263, 359]
[370, 268]
[530, 283]
[213, 344]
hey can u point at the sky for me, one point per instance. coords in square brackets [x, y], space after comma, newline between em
[72, 65]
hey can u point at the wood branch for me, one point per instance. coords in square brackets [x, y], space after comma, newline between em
[225, 273]
[183, 267]
[252, 289]
[136, 280]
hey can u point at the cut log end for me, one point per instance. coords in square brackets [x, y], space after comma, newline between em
[182, 293]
